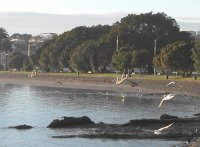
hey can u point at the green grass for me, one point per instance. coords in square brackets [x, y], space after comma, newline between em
[111, 75]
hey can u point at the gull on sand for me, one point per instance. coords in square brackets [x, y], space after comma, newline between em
[173, 83]
[167, 97]
[159, 131]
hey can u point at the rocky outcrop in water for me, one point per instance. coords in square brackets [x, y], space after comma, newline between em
[71, 122]
[21, 127]
[181, 128]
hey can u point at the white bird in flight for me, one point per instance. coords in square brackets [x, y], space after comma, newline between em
[173, 83]
[167, 97]
[159, 131]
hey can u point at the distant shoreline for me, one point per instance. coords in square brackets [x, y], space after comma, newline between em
[102, 83]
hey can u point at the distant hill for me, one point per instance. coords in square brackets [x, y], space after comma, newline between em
[36, 23]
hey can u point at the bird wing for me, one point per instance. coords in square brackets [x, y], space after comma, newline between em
[179, 85]
[161, 103]
[170, 83]
[169, 96]
[163, 128]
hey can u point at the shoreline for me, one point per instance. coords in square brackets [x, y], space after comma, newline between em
[190, 88]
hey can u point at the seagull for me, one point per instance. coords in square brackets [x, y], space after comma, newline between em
[167, 97]
[159, 131]
[123, 95]
[173, 83]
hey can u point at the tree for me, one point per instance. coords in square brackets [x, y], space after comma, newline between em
[87, 54]
[61, 48]
[138, 31]
[3, 34]
[78, 61]
[27, 64]
[196, 54]
[5, 44]
[176, 56]
[16, 61]
[121, 60]
[141, 59]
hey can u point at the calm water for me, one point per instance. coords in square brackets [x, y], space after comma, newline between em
[38, 106]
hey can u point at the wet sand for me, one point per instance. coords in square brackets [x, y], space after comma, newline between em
[97, 83]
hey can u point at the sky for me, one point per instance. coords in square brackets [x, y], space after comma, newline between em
[173, 8]
[109, 11]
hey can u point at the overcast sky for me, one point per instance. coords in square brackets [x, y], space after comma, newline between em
[173, 8]
[97, 12]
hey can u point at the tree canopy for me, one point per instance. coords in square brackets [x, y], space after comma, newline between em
[16, 61]
[177, 57]
[196, 54]
[5, 44]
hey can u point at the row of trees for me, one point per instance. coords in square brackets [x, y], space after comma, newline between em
[126, 44]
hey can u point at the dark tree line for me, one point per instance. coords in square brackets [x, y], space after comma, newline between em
[127, 44]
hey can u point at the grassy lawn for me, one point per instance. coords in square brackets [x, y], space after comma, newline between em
[110, 75]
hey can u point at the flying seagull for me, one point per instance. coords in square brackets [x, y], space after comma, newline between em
[159, 131]
[167, 97]
[173, 83]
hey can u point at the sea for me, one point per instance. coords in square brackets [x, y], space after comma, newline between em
[38, 106]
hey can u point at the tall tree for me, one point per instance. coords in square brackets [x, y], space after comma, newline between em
[176, 56]
[3, 34]
[16, 61]
[141, 31]
[196, 54]
[141, 59]
[121, 60]
[87, 54]
[44, 60]
[5, 44]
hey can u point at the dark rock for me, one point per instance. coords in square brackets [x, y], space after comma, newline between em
[21, 127]
[71, 122]
[182, 129]
[168, 117]
[197, 114]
